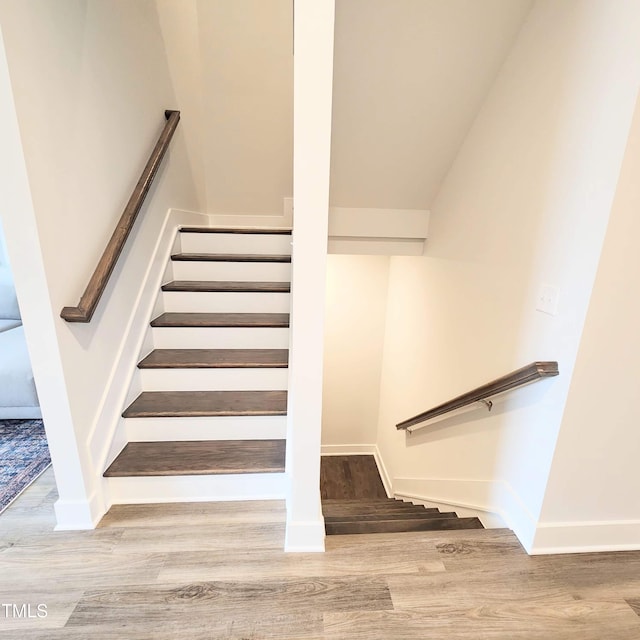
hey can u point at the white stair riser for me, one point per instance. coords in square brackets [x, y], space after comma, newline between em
[234, 271]
[214, 379]
[230, 302]
[206, 428]
[221, 337]
[253, 486]
[235, 243]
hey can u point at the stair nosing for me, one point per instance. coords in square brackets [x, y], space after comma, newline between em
[142, 407]
[386, 517]
[277, 231]
[281, 362]
[214, 286]
[276, 258]
[266, 323]
[113, 471]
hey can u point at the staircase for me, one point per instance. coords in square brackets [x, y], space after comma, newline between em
[388, 516]
[208, 420]
[354, 501]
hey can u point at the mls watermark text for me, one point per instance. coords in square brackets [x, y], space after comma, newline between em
[22, 611]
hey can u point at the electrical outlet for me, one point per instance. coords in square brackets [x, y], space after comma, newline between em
[547, 300]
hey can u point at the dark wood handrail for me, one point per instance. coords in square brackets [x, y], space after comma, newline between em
[531, 373]
[92, 294]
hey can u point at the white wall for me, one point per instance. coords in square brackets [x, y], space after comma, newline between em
[353, 339]
[232, 66]
[527, 201]
[595, 475]
[4, 258]
[90, 82]
[409, 76]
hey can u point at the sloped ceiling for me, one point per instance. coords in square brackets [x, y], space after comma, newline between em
[409, 78]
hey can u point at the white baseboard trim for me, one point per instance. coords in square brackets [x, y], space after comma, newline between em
[304, 537]
[491, 496]
[586, 537]
[79, 515]
[384, 474]
[103, 431]
[348, 449]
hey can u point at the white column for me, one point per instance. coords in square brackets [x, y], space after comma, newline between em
[313, 84]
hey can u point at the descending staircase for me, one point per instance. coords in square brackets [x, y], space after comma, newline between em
[354, 501]
[388, 516]
[213, 375]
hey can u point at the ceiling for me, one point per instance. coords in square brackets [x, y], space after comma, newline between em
[409, 78]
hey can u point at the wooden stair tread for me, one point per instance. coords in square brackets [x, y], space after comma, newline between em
[402, 526]
[354, 510]
[357, 513]
[254, 230]
[222, 286]
[215, 359]
[180, 319]
[201, 457]
[230, 257]
[158, 404]
[367, 501]
[386, 516]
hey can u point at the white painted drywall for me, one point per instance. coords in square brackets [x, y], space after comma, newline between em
[90, 82]
[4, 256]
[355, 314]
[19, 225]
[595, 474]
[527, 201]
[181, 37]
[232, 66]
[314, 25]
[410, 76]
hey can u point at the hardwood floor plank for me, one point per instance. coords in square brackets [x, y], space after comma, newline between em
[24, 571]
[247, 600]
[184, 625]
[568, 620]
[350, 477]
[60, 604]
[196, 566]
[231, 538]
[200, 513]
[198, 457]
[215, 359]
[183, 319]
[635, 605]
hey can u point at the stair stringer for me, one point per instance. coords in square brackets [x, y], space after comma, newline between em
[106, 429]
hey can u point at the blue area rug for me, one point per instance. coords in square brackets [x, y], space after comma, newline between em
[24, 455]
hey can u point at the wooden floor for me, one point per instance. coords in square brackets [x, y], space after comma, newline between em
[350, 477]
[196, 571]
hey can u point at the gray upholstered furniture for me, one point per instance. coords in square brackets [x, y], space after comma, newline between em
[18, 398]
